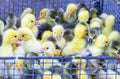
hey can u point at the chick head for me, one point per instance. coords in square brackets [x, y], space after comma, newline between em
[46, 35]
[95, 24]
[110, 20]
[43, 13]
[80, 31]
[103, 16]
[58, 32]
[19, 63]
[80, 63]
[97, 20]
[114, 35]
[11, 19]
[114, 48]
[101, 41]
[83, 15]
[1, 26]
[27, 11]
[25, 34]
[71, 9]
[10, 36]
[28, 21]
[48, 48]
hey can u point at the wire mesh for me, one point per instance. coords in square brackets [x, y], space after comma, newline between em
[56, 67]
[41, 67]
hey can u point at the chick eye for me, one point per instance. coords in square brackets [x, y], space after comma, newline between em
[115, 48]
[31, 21]
[47, 48]
[76, 63]
[41, 13]
[23, 35]
[15, 36]
[61, 32]
[106, 42]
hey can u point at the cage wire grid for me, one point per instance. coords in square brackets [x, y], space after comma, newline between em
[17, 6]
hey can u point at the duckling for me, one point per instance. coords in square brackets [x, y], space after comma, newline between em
[30, 43]
[78, 43]
[29, 22]
[98, 48]
[50, 49]
[11, 22]
[45, 36]
[50, 75]
[77, 69]
[42, 16]
[18, 69]
[26, 11]
[58, 32]
[70, 13]
[109, 23]
[10, 37]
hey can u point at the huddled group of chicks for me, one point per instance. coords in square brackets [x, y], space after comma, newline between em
[77, 31]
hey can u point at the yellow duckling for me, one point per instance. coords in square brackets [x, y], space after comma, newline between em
[42, 17]
[78, 43]
[29, 22]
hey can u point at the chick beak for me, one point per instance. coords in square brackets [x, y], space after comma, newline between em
[36, 22]
[17, 44]
[69, 15]
[21, 71]
[41, 50]
[58, 37]
[20, 38]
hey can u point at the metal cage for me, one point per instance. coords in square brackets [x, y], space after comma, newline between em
[34, 67]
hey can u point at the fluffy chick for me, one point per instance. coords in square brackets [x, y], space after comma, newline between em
[110, 74]
[114, 48]
[27, 11]
[30, 43]
[11, 22]
[50, 75]
[18, 49]
[58, 32]
[47, 34]
[68, 35]
[50, 49]
[103, 16]
[93, 13]
[109, 23]
[99, 46]
[24, 13]
[49, 63]
[1, 31]
[29, 22]
[76, 69]
[114, 35]
[96, 49]
[78, 43]
[42, 16]
[18, 69]
[70, 13]
[10, 36]
[55, 16]
[95, 31]
[99, 20]
[83, 15]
